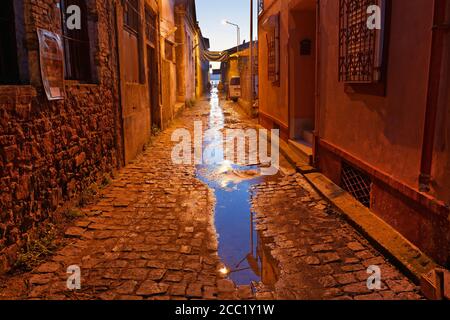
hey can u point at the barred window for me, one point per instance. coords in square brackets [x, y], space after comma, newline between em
[131, 15]
[76, 44]
[9, 73]
[273, 50]
[360, 49]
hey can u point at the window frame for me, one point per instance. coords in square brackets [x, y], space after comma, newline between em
[77, 45]
[362, 55]
[273, 52]
[131, 11]
[10, 71]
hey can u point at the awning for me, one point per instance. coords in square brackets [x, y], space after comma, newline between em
[219, 56]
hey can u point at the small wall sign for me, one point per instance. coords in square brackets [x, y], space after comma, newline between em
[305, 47]
[51, 60]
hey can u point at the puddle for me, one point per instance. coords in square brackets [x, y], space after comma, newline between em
[238, 247]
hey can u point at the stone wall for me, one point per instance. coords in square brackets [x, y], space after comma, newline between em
[51, 151]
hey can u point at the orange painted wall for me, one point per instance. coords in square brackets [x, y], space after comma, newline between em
[273, 102]
[441, 161]
[384, 131]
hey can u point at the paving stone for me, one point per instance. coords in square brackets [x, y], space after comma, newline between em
[127, 287]
[177, 290]
[355, 246]
[129, 298]
[39, 279]
[345, 278]
[327, 281]
[150, 288]
[48, 267]
[245, 292]
[135, 274]
[209, 292]
[372, 296]
[312, 260]
[194, 290]
[156, 274]
[399, 286]
[225, 285]
[329, 257]
[322, 248]
[74, 232]
[360, 287]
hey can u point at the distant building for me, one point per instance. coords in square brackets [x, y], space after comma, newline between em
[238, 64]
[192, 69]
[216, 75]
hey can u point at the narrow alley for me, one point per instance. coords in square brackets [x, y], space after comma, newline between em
[196, 151]
[165, 231]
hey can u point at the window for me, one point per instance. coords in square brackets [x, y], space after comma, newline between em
[131, 36]
[131, 15]
[236, 81]
[9, 73]
[168, 50]
[273, 47]
[360, 49]
[77, 56]
[150, 26]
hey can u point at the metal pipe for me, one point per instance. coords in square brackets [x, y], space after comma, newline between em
[252, 80]
[434, 81]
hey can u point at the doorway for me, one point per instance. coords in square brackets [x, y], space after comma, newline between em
[302, 44]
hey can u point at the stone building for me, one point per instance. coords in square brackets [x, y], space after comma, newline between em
[192, 69]
[238, 65]
[79, 98]
[378, 125]
[54, 145]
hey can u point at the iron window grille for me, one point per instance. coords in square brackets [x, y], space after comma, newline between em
[273, 54]
[9, 73]
[360, 48]
[76, 44]
[131, 15]
[357, 183]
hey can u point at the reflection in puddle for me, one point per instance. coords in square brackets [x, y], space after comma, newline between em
[238, 248]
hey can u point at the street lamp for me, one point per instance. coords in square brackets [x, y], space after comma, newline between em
[238, 32]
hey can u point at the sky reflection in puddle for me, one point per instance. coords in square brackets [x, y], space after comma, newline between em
[233, 220]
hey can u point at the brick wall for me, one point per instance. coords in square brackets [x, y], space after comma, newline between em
[51, 151]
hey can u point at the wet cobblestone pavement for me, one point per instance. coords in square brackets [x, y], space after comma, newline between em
[152, 235]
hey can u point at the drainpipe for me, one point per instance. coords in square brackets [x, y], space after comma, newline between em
[434, 81]
[118, 85]
[316, 136]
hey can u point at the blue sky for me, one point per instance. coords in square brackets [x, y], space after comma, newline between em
[211, 13]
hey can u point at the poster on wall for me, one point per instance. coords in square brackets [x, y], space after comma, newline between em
[51, 60]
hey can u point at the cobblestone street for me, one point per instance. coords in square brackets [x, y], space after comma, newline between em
[152, 235]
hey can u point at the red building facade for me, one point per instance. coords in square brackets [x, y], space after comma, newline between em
[370, 107]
